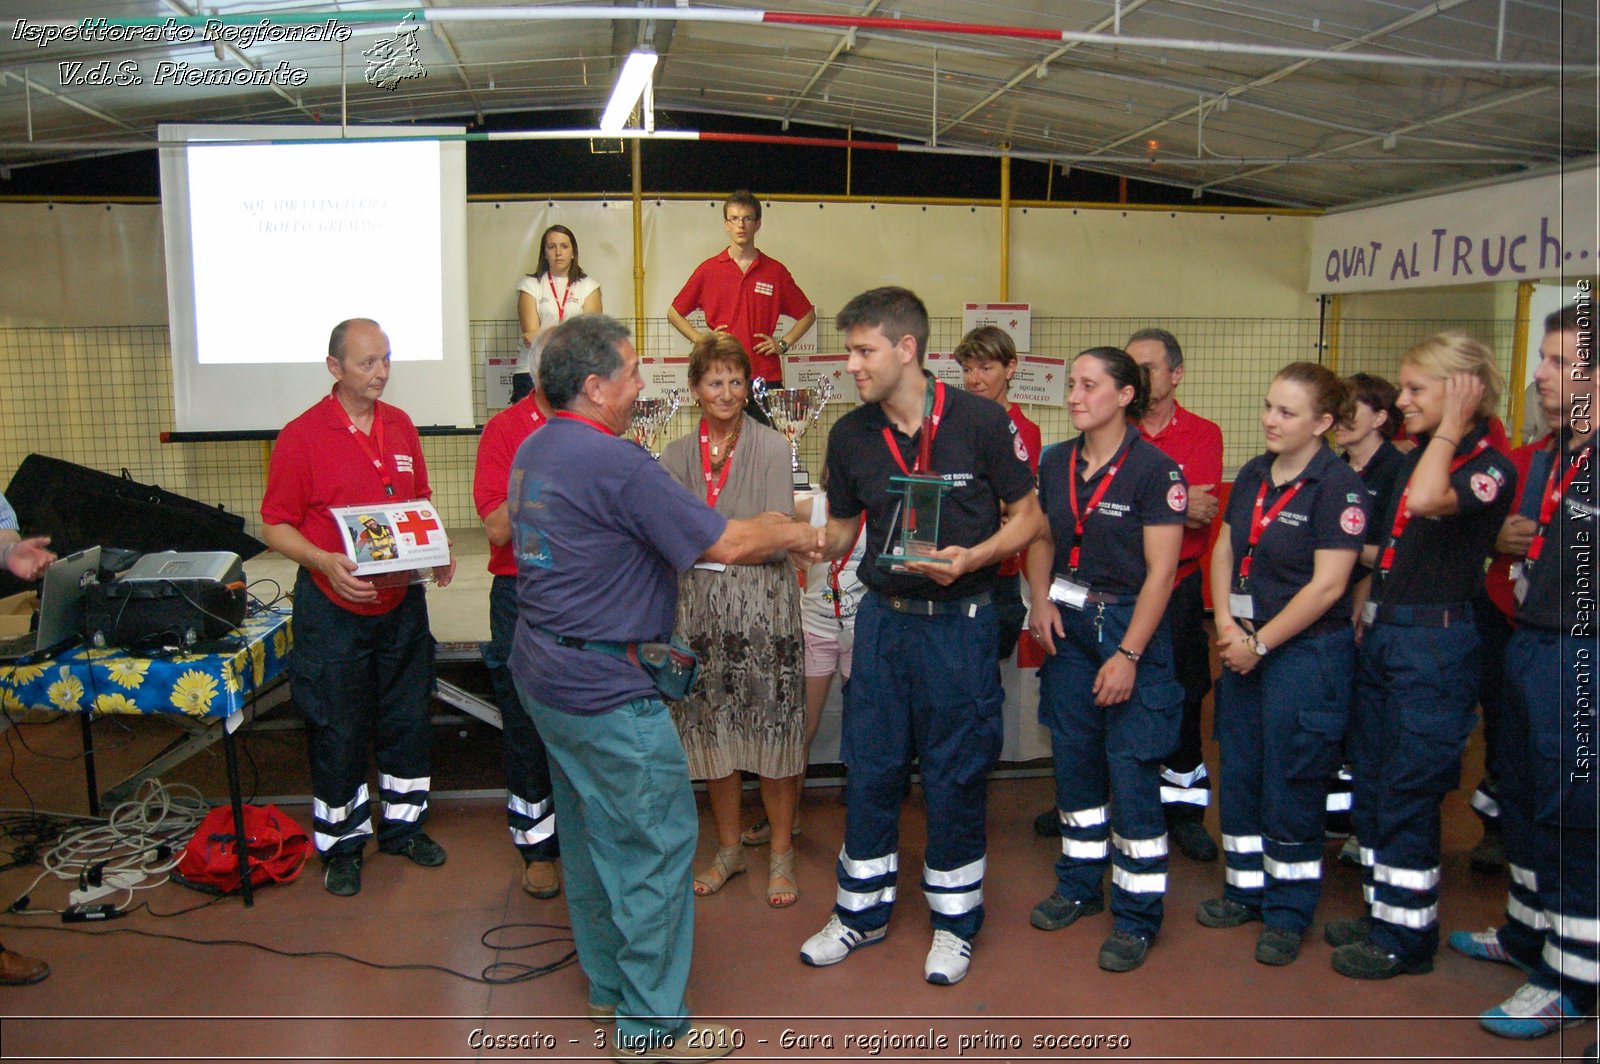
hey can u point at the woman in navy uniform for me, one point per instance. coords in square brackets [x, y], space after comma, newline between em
[1280, 584]
[1417, 672]
[1365, 439]
[1100, 578]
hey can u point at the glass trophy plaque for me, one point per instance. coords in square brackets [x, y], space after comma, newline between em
[916, 522]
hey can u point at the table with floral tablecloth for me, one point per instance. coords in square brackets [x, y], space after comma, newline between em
[214, 684]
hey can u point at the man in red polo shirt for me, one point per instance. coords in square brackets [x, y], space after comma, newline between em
[743, 292]
[1196, 445]
[530, 812]
[362, 668]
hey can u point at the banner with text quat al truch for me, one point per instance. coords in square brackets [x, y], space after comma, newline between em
[1519, 231]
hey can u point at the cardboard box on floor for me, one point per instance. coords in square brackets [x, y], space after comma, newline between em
[16, 613]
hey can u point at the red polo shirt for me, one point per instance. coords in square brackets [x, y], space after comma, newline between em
[317, 465]
[1028, 437]
[744, 303]
[497, 449]
[1196, 445]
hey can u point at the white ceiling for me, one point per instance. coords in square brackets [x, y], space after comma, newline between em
[1489, 87]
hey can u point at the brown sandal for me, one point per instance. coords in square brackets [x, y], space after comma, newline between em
[729, 862]
[781, 882]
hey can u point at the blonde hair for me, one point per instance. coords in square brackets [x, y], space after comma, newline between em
[1445, 354]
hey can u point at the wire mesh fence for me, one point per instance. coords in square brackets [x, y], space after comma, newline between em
[102, 397]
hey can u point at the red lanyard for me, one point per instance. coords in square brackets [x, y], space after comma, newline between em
[1402, 516]
[591, 422]
[561, 300]
[713, 487]
[932, 412]
[371, 446]
[1259, 523]
[1094, 500]
[837, 566]
[1553, 494]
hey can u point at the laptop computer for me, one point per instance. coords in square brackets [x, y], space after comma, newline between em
[60, 608]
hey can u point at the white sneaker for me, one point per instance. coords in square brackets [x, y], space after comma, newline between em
[835, 941]
[947, 959]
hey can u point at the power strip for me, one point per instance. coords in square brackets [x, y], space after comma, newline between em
[117, 881]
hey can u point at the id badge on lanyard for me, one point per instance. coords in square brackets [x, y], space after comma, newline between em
[1242, 606]
[1065, 591]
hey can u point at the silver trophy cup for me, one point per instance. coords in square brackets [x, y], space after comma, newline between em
[792, 411]
[651, 416]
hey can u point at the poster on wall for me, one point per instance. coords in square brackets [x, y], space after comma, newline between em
[662, 375]
[1040, 380]
[805, 371]
[497, 382]
[1015, 318]
[944, 367]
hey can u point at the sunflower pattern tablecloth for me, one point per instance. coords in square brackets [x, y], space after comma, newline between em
[111, 681]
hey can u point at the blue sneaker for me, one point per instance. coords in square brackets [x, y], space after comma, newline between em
[1532, 1012]
[1484, 946]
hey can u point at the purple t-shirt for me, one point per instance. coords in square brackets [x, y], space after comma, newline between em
[601, 533]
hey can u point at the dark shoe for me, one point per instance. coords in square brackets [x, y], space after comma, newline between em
[1277, 946]
[421, 850]
[1490, 853]
[1047, 825]
[342, 876]
[1123, 952]
[539, 878]
[1192, 840]
[17, 969]
[1224, 912]
[1056, 912]
[1367, 960]
[1347, 932]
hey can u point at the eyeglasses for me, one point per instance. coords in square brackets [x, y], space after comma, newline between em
[743, 220]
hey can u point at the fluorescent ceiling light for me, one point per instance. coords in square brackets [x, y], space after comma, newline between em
[632, 83]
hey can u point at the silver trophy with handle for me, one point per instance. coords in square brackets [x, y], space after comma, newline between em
[651, 417]
[792, 411]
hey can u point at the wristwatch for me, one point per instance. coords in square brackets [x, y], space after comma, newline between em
[783, 347]
[1130, 655]
[1259, 647]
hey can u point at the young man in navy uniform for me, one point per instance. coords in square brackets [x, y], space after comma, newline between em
[925, 682]
[1548, 795]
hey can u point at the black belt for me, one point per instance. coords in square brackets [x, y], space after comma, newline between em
[1425, 615]
[930, 608]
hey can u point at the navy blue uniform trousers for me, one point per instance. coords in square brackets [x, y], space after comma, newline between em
[530, 812]
[1548, 799]
[1281, 729]
[360, 680]
[926, 688]
[1108, 766]
[1416, 687]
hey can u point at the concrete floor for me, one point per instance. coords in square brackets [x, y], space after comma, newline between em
[197, 986]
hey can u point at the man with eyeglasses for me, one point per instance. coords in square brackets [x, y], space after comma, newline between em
[743, 292]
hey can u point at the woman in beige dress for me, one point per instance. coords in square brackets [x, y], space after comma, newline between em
[747, 711]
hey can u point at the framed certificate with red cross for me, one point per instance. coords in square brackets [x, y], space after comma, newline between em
[391, 537]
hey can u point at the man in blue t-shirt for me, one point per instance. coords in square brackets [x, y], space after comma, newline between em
[601, 533]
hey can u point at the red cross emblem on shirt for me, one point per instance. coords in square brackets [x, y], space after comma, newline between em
[418, 523]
